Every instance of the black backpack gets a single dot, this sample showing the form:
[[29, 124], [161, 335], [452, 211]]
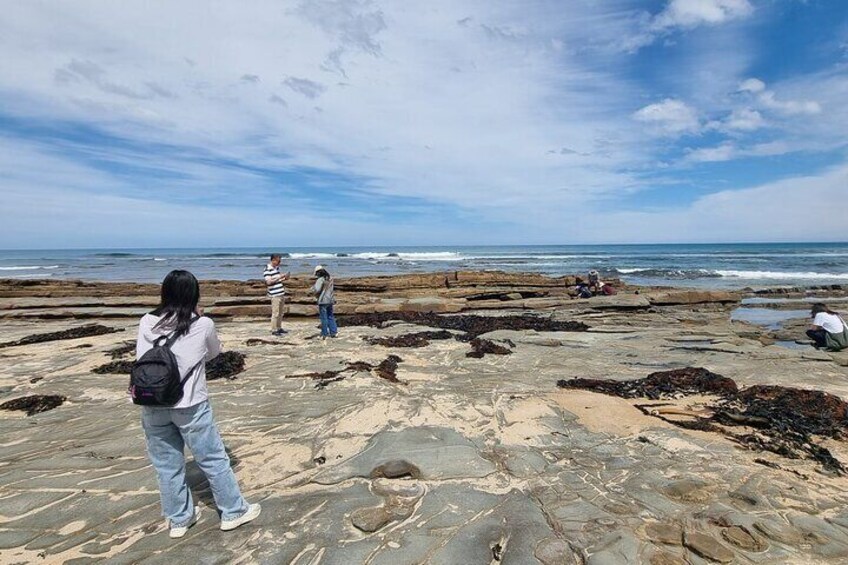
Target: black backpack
[[155, 378]]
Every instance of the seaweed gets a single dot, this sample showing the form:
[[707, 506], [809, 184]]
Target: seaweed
[[471, 324], [257, 341], [419, 339], [120, 367], [73, 333], [225, 366], [34, 404], [481, 347], [781, 420], [386, 369], [662, 384]]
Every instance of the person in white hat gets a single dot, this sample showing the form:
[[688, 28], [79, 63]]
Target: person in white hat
[[325, 289]]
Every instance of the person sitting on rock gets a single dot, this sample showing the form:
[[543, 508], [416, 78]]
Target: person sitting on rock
[[828, 330], [325, 289], [595, 283], [582, 288]]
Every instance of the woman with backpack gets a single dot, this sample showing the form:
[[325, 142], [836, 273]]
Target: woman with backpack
[[325, 289], [828, 330], [174, 342]]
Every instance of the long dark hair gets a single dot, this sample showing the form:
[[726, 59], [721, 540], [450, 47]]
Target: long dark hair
[[322, 273], [821, 307], [178, 303]]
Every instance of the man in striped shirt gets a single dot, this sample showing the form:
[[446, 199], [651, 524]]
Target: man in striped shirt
[[274, 281]]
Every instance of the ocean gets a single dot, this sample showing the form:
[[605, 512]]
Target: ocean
[[697, 265]]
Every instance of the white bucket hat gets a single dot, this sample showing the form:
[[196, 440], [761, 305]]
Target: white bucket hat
[[318, 268]]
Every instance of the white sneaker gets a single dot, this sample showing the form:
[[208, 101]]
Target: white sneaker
[[178, 532], [252, 512]]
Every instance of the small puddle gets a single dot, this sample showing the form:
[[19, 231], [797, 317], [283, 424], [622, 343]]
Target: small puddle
[[692, 342], [771, 319], [805, 300], [789, 344]]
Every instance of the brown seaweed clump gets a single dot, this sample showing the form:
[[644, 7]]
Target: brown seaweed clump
[[481, 347], [386, 369], [419, 339], [783, 420], [120, 367], [225, 366], [73, 333], [662, 384], [34, 404], [471, 324]]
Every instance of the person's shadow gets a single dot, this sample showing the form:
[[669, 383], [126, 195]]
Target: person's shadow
[[198, 483]]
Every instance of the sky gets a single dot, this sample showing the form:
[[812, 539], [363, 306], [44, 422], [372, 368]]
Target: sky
[[455, 122]]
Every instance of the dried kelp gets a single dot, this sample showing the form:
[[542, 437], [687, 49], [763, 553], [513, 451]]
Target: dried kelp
[[782, 420], [471, 324], [481, 347], [34, 404], [225, 366], [659, 385], [419, 339], [120, 367], [386, 369], [73, 333]]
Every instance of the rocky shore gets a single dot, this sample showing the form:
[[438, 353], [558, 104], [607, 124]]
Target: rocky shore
[[462, 417]]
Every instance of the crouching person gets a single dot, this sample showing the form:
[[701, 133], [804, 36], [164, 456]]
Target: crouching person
[[828, 330]]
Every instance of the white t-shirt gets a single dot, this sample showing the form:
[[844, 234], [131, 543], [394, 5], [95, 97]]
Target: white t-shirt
[[829, 322], [201, 342]]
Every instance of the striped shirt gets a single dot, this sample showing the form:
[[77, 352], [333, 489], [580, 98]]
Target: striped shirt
[[275, 289]]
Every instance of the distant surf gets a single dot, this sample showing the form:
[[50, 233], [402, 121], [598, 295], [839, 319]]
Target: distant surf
[[703, 265]]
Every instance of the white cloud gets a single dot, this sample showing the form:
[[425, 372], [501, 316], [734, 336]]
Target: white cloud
[[692, 13], [768, 99], [418, 106], [744, 119], [753, 85], [806, 208], [723, 152], [791, 107], [728, 151], [669, 117]]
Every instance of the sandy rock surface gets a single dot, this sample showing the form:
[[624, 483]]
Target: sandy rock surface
[[462, 460]]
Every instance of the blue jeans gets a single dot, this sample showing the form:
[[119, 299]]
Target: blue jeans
[[167, 431], [328, 320]]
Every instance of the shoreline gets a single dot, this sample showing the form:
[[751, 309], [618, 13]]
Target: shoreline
[[706, 266]]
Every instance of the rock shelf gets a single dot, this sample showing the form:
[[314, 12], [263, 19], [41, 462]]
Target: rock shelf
[[439, 458]]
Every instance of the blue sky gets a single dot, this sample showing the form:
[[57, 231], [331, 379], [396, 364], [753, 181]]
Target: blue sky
[[352, 122]]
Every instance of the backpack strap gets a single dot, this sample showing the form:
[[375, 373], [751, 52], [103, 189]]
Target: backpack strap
[[190, 371]]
